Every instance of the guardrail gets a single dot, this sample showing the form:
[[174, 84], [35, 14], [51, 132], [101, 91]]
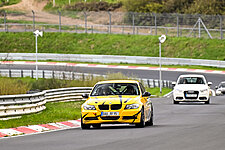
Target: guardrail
[[112, 59], [14, 105]]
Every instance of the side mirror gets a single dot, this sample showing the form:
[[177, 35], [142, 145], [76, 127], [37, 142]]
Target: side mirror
[[85, 95], [146, 94], [173, 83], [209, 83], [216, 87]]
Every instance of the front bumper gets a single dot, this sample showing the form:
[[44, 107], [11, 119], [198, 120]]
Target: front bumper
[[180, 97], [125, 116]]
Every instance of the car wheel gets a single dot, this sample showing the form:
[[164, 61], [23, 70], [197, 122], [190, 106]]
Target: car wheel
[[207, 102], [142, 120], [150, 122], [84, 126], [96, 126], [175, 102]]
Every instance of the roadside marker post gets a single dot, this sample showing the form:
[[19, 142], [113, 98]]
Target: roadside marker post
[[36, 34], [162, 39]]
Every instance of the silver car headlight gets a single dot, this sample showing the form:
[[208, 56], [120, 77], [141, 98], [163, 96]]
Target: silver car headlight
[[89, 107], [132, 106], [204, 90]]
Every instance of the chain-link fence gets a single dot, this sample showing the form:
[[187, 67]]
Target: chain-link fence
[[179, 25]]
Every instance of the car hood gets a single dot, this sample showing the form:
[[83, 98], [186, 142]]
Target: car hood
[[195, 87], [114, 99]]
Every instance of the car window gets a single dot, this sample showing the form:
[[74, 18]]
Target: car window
[[191, 80], [115, 89], [222, 85]]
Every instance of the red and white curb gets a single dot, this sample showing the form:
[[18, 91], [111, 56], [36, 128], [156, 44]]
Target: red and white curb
[[111, 66], [35, 129]]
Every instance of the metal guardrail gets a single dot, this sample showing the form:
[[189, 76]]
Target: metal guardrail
[[14, 105], [112, 59]]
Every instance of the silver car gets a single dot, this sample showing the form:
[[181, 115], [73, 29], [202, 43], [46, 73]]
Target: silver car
[[220, 90]]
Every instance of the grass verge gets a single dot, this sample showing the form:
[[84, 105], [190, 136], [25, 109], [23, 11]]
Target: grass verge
[[108, 44]]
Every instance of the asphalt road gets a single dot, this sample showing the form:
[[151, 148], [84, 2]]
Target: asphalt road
[[176, 127], [166, 75]]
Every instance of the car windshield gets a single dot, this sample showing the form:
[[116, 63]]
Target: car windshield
[[115, 89], [191, 80], [222, 85]]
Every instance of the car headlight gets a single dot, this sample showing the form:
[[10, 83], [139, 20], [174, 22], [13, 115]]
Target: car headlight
[[132, 106], [204, 90], [177, 90], [89, 107]]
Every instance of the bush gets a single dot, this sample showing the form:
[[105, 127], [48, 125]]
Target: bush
[[94, 6]]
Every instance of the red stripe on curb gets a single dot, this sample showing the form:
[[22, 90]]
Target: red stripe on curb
[[132, 67], [51, 127], [223, 72], [172, 68], [71, 64], [24, 130], [7, 62], [92, 65], [51, 63], [191, 69], [78, 120], [2, 134], [68, 124], [209, 70], [112, 66]]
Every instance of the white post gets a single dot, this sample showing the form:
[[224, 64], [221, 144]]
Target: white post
[[69, 2], [53, 3], [160, 66], [162, 39], [36, 57]]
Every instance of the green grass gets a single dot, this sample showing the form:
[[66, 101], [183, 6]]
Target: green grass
[[11, 2], [107, 44], [55, 112], [156, 91]]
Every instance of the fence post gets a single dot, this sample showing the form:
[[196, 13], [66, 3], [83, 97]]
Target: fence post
[[221, 27], [110, 22], [21, 73], [33, 20], [6, 29], [148, 83], [59, 21], [155, 23], [133, 22], [85, 19], [154, 83], [10, 73], [178, 25], [43, 74], [32, 74], [53, 74]]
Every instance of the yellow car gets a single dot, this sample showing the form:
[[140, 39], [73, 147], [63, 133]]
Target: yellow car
[[117, 101]]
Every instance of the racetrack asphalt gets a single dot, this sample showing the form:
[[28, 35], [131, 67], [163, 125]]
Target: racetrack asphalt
[[176, 127]]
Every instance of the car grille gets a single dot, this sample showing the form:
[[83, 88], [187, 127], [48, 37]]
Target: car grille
[[113, 107], [103, 107], [110, 118], [116, 106], [191, 92], [129, 117]]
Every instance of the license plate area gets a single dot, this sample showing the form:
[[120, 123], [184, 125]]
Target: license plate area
[[109, 113], [191, 95]]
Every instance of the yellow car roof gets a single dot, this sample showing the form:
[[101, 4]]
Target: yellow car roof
[[118, 81]]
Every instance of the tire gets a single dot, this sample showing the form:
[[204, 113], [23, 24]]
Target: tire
[[150, 122], [175, 102], [97, 126], [142, 120], [208, 102], [84, 126]]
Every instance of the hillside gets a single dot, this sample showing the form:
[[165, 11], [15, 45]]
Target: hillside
[[106, 44]]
